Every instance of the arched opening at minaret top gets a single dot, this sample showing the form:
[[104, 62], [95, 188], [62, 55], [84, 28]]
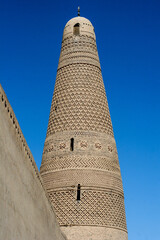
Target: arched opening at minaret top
[[76, 29]]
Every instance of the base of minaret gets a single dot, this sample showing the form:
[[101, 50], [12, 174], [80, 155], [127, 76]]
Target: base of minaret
[[93, 233]]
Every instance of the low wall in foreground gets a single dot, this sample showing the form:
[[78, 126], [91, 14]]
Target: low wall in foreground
[[25, 209]]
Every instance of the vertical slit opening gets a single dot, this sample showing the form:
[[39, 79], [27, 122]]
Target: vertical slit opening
[[72, 144], [78, 192]]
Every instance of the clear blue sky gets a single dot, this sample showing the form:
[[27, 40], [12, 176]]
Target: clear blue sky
[[128, 40]]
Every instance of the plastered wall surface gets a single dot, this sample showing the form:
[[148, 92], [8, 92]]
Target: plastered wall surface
[[25, 210]]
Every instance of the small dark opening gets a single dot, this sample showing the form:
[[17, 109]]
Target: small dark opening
[[76, 25], [72, 144], [78, 192], [76, 29]]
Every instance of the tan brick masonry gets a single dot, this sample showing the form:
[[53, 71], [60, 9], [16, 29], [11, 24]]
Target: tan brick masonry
[[80, 166]]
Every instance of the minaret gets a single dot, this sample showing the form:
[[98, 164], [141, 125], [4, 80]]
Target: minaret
[[80, 166]]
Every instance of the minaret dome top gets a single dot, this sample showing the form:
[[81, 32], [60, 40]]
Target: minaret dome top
[[78, 26]]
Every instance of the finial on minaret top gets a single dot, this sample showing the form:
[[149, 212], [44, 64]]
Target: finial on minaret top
[[78, 11]]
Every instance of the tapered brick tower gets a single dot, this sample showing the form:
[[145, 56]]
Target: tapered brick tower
[[80, 166]]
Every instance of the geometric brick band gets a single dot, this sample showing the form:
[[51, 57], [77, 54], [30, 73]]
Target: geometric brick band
[[68, 162], [85, 177], [79, 101], [99, 208], [84, 44], [84, 50]]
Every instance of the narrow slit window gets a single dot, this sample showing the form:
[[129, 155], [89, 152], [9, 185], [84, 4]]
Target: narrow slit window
[[78, 192], [76, 29], [72, 144]]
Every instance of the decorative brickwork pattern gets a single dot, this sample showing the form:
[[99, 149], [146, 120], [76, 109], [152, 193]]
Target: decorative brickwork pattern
[[90, 141], [80, 100], [99, 208], [80, 149], [81, 50], [84, 44], [85, 177], [71, 162]]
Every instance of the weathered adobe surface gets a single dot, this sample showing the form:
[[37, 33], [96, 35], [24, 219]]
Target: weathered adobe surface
[[26, 211]]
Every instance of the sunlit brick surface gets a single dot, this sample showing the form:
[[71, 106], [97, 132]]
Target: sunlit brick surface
[[80, 112]]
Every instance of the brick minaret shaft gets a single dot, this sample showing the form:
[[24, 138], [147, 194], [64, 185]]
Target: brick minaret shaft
[[80, 166]]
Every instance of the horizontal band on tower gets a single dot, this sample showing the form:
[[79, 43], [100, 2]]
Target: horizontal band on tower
[[86, 177], [95, 208], [79, 59]]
